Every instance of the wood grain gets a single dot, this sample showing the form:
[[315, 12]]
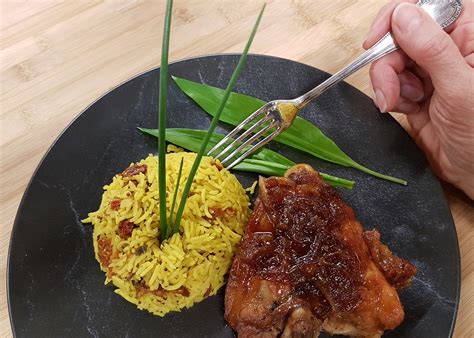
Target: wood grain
[[58, 56]]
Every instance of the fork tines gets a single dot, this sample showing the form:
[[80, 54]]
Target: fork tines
[[250, 135]]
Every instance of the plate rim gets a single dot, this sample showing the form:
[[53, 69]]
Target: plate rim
[[137, 75]]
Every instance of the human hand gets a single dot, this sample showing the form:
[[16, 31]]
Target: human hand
[[432, 81]]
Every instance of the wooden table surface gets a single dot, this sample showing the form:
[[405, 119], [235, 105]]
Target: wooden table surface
[[57, 56]]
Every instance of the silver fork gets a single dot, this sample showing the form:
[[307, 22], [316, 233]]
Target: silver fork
[[273, 118]]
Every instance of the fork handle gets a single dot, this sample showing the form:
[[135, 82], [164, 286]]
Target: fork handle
[[383, 47]]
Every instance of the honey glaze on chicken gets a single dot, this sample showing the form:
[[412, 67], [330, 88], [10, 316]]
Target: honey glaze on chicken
[[305, 264]]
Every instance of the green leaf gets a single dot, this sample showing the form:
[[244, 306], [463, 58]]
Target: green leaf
[[302, 135], [163, 87], [220, 108], [337, 181], [261, 167], [237, 108], [266, 161]]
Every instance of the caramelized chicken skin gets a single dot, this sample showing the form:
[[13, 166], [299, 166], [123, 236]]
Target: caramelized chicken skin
[[305, 265]]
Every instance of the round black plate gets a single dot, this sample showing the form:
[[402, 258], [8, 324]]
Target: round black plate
[[55, 287]]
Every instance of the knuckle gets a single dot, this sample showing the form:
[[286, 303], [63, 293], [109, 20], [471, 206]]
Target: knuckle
[[470, 60], [391, 80], [372, 71], [454, 98], [435, 47], [467, 45]]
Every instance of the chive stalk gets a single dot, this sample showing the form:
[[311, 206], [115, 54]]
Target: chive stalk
[[173, 203], [163, 87], [213, 125]]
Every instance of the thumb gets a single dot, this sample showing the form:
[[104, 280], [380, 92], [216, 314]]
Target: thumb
[[425, 42]]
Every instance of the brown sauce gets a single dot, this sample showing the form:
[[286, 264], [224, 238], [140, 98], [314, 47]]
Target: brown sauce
[[301, 243]]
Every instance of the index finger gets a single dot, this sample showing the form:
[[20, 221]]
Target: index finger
[[381, 24]]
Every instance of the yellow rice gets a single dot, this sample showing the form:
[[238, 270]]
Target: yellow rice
[[151, 274]]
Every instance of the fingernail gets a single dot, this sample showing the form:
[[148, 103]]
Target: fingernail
[[408, 107], [372, 96], [407, 17], [366, 38], [380, 100], [412, 93]]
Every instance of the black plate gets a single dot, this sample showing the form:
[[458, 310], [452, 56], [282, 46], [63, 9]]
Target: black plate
[[55, 287]]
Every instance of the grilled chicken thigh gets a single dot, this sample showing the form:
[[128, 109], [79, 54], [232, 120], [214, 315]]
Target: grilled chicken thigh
[[305, 264]]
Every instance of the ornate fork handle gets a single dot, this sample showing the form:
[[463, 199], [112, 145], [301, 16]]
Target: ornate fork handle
[[444, 12], [383, 47]]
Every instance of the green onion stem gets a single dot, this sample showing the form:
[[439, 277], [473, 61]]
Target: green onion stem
[[213, 125], [163, 87], [178, 180]]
